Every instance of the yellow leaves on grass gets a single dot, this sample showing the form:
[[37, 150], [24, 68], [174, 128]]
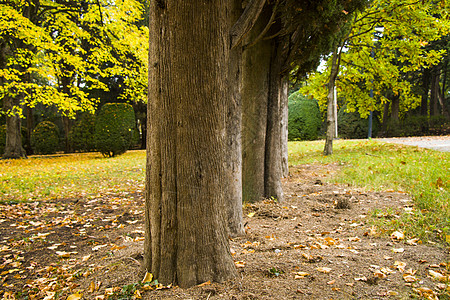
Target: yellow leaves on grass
[[76, 296]]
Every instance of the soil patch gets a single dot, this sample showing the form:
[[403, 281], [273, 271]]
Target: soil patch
[[319, 243]]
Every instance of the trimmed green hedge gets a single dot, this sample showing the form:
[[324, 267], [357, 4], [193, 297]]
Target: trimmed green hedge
[[114, 129], [304, 121], [45, 138], [81, 137]]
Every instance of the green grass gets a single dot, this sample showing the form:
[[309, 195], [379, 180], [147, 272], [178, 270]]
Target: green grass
[[372, 165], [72, 175], [422, 173]]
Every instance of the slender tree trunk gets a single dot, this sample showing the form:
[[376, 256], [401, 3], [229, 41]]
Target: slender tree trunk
[[234, 140], [395, 108], [186, 231], [284, 129], [30, 127], [255, 95], [434, 91], [385, 117], [425, 90], [331, 120]]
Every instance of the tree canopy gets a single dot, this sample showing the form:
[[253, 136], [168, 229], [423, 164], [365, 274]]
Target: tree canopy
[[385, 45]]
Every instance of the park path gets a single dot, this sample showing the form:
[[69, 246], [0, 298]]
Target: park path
[[439, 143]]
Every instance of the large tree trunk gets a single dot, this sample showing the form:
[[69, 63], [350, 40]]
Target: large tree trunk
[[277, 91], [234, 123], [331, 120], [255, 95], [13, 146], [186, 231], [264, 92]]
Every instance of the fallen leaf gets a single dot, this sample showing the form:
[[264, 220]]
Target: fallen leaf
[[363, 278], [239, 264], [409, 278], [324, 269], [148, 277], [250, 215], [398, 250], [86, 257], [400, 266], [300, 275], [438, 276], [391, 293], [76, 296], [412, 242], [354, 239], [96, 248], [379, 274], [331, 282], [397, 235], [205, 283]]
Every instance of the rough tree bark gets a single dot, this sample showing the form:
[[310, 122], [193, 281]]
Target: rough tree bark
[[284, 129], [264, 93], [273, 155], [234, 140], [255, 95], [186, 241]]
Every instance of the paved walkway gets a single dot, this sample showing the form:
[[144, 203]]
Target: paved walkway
[[439, 143]]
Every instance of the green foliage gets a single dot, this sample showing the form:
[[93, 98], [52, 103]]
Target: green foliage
[[404, 29], [304, 118], [352, 126], [45, 138], [412, 125], [114, 129], [81, 137]]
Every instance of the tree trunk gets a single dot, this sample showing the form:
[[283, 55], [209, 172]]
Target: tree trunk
[[434, 91], [277, 86], [395, 108], [30, 127], [186, 231], [234, 123], [385, 118], [425, 90], [13, 146], [255, 94], [331, 120], [284, 129]]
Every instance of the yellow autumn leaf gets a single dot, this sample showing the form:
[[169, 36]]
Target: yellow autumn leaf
[[397, 235], [250, 215], [438, 276], [76, 296], [148, 277]]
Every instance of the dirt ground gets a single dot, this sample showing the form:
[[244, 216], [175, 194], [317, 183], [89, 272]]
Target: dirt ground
[[318, 244]]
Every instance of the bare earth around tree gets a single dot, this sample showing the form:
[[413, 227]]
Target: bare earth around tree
[[319, 243]]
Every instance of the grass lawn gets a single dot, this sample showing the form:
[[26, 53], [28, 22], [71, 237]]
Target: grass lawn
[[422, 173], [73, 175]]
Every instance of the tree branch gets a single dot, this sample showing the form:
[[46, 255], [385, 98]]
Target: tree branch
[[246, 21]]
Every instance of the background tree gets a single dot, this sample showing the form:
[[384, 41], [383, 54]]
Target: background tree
[[404, 28]]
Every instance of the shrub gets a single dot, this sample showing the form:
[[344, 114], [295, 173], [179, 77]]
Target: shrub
[[114, 129], [81, 137], [304, 118], [352, 126], [45, 138]]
